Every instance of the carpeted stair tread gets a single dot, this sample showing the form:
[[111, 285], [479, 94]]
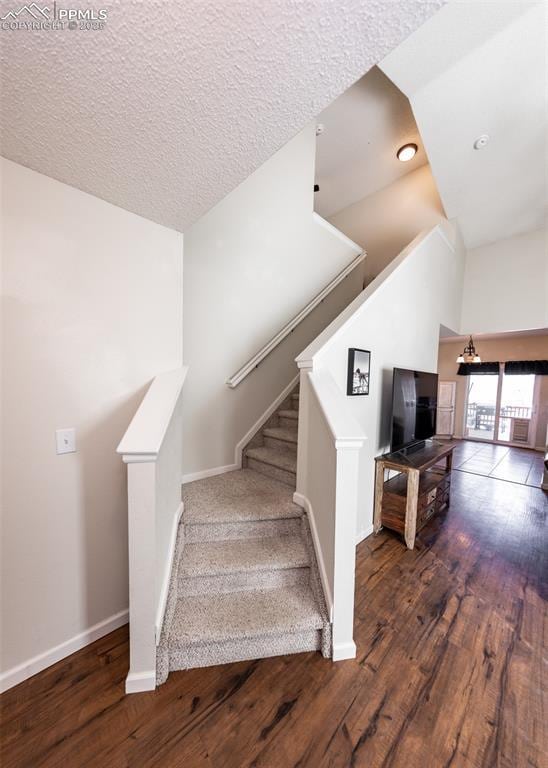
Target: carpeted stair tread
[[251, 555], [277, 457], [289, 414], [281, 433], [239, 496], [205, 619]]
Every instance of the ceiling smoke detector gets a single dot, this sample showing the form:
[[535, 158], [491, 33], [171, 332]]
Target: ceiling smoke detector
[[482, 141], [407, 152], [320, 128]]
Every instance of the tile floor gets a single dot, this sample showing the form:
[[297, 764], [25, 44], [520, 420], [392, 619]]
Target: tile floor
[[515, 465]]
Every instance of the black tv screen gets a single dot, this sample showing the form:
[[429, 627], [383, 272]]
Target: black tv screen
[[414, 403]]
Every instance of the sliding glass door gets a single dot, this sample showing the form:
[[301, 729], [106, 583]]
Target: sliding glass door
[[501, 408], [516, 411], [481, 411]]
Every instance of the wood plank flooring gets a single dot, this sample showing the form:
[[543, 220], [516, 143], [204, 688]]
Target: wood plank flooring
[[450, 670]]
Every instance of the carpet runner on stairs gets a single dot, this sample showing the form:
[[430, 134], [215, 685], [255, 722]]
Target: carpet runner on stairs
[[245, 584]]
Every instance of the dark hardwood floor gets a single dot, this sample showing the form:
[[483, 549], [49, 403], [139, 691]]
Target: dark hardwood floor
[[449, 671]]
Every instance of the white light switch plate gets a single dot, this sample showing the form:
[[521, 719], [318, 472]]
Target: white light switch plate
[[65, 440]]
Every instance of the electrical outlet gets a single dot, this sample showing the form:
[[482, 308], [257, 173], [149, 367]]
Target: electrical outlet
[[65, 440]]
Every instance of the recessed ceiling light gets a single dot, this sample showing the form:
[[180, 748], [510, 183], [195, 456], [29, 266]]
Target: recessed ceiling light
[[407, 152]]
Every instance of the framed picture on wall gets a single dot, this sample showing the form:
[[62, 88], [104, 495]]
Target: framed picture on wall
[[359, 364]]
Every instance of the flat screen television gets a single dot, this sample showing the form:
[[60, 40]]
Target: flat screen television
[[414, 404]]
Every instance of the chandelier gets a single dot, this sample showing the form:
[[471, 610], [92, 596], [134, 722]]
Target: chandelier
[[469, 354]]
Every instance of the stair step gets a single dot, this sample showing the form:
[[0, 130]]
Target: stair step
[[239, 616], [218, 567], [284, 434], [289, 414], [242, 496], [276, 457], [295, 400], [279, 463], [241, 581], [226, 557], [229, 651], [281, 437]]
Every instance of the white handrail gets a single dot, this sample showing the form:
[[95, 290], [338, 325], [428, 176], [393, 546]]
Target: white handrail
[[236, 378], [146, 432]]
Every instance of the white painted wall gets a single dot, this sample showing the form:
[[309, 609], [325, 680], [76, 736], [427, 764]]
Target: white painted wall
[[398, 319], [481, 68], [251, 264], [507, 285], [385, 222], [92, 307]]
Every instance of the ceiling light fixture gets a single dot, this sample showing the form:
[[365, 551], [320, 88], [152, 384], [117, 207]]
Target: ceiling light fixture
[[481, 142], [407, 152], [469, 354]]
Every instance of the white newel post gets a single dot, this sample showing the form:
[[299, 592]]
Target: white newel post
[[141, 536], [346, 515], [152, 449]]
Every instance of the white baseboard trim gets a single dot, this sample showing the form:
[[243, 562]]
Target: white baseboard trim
[[272, 408], [209, 473], [161, 609], [27, 669], [342, 651], [137, 682], [305, 504], [363, 534]]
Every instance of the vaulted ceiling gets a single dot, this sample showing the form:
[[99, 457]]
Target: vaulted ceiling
[[362, 131], [480, 68], [172, 104]]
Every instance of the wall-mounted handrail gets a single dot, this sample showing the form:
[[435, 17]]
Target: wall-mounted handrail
[[254, 362]]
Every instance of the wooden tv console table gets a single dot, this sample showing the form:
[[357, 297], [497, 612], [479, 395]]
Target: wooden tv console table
[[407, 501]]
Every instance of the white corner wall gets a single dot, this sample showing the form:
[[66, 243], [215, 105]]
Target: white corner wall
[[386, 221], [397, 318], [92, 308], [251, 264], [507, 285]]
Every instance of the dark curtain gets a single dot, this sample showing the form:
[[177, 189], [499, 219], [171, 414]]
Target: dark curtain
[[538, 367], [487, 369]]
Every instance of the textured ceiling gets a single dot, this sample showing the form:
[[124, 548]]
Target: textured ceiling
[[481, 68], [173, 104], [356, 153]]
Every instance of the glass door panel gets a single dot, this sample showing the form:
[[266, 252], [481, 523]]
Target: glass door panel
[[482, 407], [516, 409]]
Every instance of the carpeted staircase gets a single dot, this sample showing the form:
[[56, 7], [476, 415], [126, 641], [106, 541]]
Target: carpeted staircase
[[273, 451], [245, 584]]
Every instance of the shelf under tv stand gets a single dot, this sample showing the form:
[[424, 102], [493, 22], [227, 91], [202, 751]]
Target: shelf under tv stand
[[406, 502]]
